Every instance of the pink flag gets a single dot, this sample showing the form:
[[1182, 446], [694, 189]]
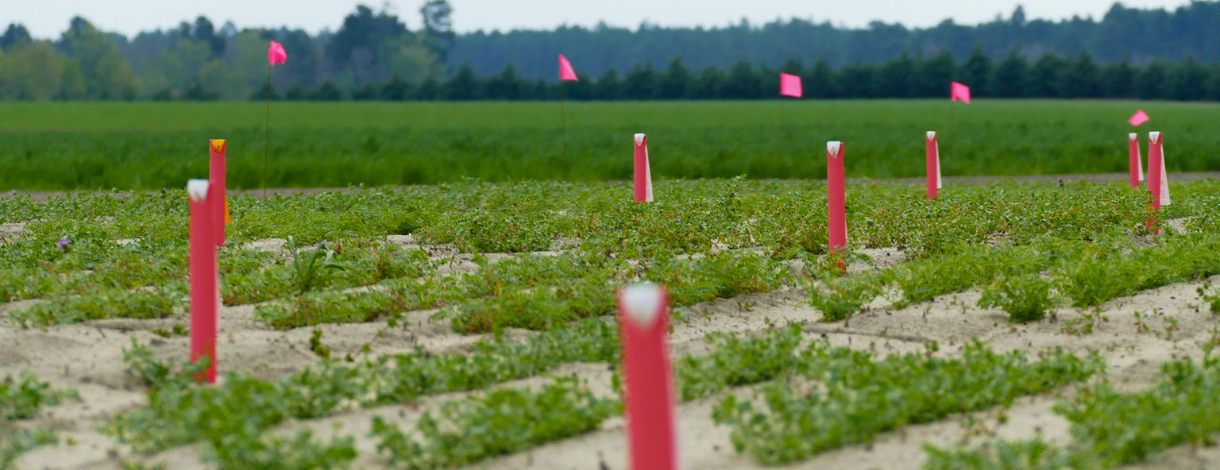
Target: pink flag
[[565, 70], [960, 92], [790, 85], [648, 384], [276, 54], [1139, 118]]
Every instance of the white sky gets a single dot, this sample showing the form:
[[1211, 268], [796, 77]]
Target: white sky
[[48, 18]]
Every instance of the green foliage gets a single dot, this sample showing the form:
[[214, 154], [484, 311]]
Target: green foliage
[[859, 398], [431, 143], [22, 398], [298, 451], [1212, 301], [1026, 297], [315, 344], [1110, 428], [309, 269], [735, 361], [501, 422], [1120, 428], [1034, 454], [14, 442], [109, 303], [180, 411], [838, 297]]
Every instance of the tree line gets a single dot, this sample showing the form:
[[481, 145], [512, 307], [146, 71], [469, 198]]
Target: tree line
[[905, 76], [374, 55], [1138, 35], [200, 61]]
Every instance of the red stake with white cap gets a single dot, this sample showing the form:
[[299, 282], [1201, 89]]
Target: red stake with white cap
[[1158, 178], [1136, 161], [643, 174], [836, 196], [205, 303], [933, 166], [647, 377]]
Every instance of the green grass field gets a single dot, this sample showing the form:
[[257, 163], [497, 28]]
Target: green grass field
[[47, 146]]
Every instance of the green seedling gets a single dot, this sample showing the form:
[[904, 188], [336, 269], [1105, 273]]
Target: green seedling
[[1026, 298], [310, 268], [839, 297]]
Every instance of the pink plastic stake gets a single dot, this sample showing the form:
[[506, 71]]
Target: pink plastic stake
[[204, 301], [648, 381], [643, 174], [216, 178], [1135, 160], [933, 165], [1156, 175], [837, 197]]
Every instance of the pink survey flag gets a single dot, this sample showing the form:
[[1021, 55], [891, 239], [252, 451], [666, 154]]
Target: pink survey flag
[[959, 92], [566, 73], [1139, 118], [790, 85], [276, 54]]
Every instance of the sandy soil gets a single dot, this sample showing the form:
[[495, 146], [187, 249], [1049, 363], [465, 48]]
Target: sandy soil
[[88, 357]]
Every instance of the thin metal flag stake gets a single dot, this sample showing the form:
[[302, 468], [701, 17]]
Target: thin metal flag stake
[[267, 137]]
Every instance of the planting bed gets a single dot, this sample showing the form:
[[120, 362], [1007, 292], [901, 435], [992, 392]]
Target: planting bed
[[471, 326]]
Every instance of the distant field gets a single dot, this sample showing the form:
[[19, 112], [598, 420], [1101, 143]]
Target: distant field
[[153, 145]]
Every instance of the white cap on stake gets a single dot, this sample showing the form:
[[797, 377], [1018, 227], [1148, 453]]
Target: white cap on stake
[[642, 302], [197, 190]]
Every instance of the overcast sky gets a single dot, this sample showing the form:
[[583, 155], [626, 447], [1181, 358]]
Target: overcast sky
[[48, 18]]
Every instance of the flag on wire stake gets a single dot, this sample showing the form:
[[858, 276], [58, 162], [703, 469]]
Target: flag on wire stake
[[790, 85], [566, 74], [1139, 118], [959, 92], [275, 55]]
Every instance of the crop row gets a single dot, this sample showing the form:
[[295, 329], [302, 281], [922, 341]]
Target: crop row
[[233, 417], [688, 217], [534, 292], [1110, 428]]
